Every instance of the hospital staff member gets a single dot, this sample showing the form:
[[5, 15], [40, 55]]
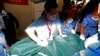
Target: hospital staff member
[[90, 23], [46, 26]]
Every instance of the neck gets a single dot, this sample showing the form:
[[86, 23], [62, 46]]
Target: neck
[[66, 20], [95, 16]]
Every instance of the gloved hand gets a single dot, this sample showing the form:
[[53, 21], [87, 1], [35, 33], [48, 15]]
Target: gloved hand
[[73, 31], [82, 37], [51, 38], [62, 35], [99, 29], [43, 43]]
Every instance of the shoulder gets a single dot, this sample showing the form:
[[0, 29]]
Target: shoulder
[[88, 15], [38, 22]]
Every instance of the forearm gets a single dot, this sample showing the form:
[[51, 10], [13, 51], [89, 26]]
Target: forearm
[[32, 36], [82, 29], [82, 37], [59, 30]]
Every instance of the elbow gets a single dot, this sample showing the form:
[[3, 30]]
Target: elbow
[[28, 30]]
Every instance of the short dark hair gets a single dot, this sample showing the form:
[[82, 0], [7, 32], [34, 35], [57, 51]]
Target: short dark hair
[[49, 5], [89, 8], [67, 7]]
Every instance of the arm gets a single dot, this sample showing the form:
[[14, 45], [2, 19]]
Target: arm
[[33, 31], [14, 19], [31, 34], [84, 24], [82, 28], [59, 26]]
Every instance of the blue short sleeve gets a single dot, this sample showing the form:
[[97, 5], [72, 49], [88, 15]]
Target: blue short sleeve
[[86, 20]]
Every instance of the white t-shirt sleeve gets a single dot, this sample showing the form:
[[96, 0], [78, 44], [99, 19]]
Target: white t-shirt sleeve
[[30, 30]]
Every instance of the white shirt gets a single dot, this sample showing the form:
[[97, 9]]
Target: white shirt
[[41, 28], [91, 40]]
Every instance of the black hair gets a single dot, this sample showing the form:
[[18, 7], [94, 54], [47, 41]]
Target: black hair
[[1, 6], [49, 5], [0, 9], [89, 8], [64, 9], [93, 4]]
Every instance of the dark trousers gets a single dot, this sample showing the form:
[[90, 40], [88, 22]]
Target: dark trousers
[[10, 36]]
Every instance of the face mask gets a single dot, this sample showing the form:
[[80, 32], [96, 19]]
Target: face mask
[[70, 20], [51, 17]]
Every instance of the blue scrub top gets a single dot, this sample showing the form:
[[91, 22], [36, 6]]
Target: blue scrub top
[[66, 28], [91, 25]]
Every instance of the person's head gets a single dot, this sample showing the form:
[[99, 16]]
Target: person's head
[[91, 7], [95, 11], [88, 8], [50, 9], [72, 11], [69, 10]]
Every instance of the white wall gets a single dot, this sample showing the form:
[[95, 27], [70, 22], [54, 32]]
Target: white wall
[[23, 13], [26, 13]]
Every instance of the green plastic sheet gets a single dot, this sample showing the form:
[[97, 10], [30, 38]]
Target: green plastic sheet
[[57, 47]]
